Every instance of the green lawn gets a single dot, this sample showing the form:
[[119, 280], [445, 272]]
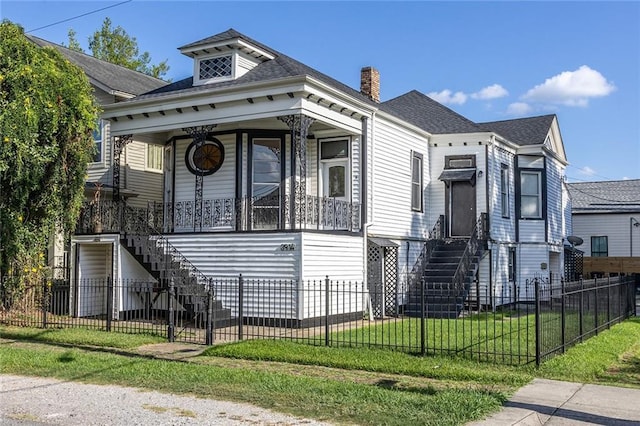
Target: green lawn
[[339, 384]]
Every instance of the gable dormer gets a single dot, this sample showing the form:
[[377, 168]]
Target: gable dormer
[[225, 56]]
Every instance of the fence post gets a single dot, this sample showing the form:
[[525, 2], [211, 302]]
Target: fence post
[[581, 307], [209, 336], [171, 335], [45, 300], [327, 308], [109, 302], [563, 301], [423, 343], [240, 307], [537, 322], [595, 304], [609, 302]]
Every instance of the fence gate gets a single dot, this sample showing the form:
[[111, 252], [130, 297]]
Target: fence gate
[[382, 277]]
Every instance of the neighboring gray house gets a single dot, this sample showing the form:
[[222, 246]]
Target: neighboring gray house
[[274, 170], [606, 215], [141, 168]]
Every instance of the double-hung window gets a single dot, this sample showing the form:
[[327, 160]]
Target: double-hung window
[[504, 190], [154, 157], [416, 181], [531, 194], [599, 246], [98, 139]]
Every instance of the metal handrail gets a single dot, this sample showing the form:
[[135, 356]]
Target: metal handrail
[[478, 234]]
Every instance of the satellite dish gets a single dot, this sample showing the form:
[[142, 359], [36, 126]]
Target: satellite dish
[[575, 241]]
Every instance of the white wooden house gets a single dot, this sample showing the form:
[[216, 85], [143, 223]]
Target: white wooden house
[[606, 216], [274, 170]]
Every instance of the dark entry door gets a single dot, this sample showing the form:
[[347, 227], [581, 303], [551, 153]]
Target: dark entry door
[[462, 208]]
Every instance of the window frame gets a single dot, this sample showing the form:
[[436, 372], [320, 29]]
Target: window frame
[[147, 157], [420, 183], [98, 157], [538, 195], [600, 253], [505, 183], [196, 73], [511, 265]]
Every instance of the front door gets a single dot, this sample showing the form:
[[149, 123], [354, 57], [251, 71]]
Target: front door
[[462, 208]]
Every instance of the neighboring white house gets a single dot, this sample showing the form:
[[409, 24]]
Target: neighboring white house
[[141, 174], [606, 215], [274, 170]]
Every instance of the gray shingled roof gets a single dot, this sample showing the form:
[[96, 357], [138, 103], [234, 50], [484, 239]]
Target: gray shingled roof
[[522, 131], [427, 114], [114, 77], [280, 67], [607, 196]]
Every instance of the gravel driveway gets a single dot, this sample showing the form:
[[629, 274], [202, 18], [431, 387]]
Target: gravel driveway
[[39, 401]]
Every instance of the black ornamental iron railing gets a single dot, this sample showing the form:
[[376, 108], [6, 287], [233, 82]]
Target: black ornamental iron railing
[[332, 312], [224, 214], [478, 236]]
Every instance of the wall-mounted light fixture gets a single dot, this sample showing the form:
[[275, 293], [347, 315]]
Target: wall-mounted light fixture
[[480, 173], [632, 222]]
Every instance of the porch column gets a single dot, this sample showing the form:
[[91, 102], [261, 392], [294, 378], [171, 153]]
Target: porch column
[[119, 142], [199, 135], [299, 127]]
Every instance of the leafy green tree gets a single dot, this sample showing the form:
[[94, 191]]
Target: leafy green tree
[[73, 41], [47, 115], [116, 46]]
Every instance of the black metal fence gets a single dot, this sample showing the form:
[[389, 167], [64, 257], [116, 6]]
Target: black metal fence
[[535, 321]]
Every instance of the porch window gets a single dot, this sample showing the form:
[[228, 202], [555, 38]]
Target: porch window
[[97, 139], [155, 154], [416, 181], [504, 190], [531, 195], [599, 246], [266, 183]]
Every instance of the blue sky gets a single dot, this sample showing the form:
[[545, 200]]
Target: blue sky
[[486, 60]]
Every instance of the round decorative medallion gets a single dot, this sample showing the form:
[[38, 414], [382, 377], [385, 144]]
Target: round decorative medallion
[[205, 159]]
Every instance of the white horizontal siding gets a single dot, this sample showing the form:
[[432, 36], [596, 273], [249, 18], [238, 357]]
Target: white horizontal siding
[[391, 182], [135, 177], [502, 228], [532, 230], [437, 187], [617, 227], [341, 257], [530, 261], [252, 255], [555, 213]]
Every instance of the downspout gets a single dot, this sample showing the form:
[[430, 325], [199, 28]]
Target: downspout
[[365, 149]]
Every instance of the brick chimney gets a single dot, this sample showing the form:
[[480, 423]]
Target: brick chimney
[[370, 83]]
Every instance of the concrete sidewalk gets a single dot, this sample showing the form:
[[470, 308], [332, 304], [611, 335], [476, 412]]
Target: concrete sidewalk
[[552, 402]]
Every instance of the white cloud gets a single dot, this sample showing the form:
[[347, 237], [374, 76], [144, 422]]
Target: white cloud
[[587, 171], [491, 92], [571, 88], [448, 97], [519, 108]]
